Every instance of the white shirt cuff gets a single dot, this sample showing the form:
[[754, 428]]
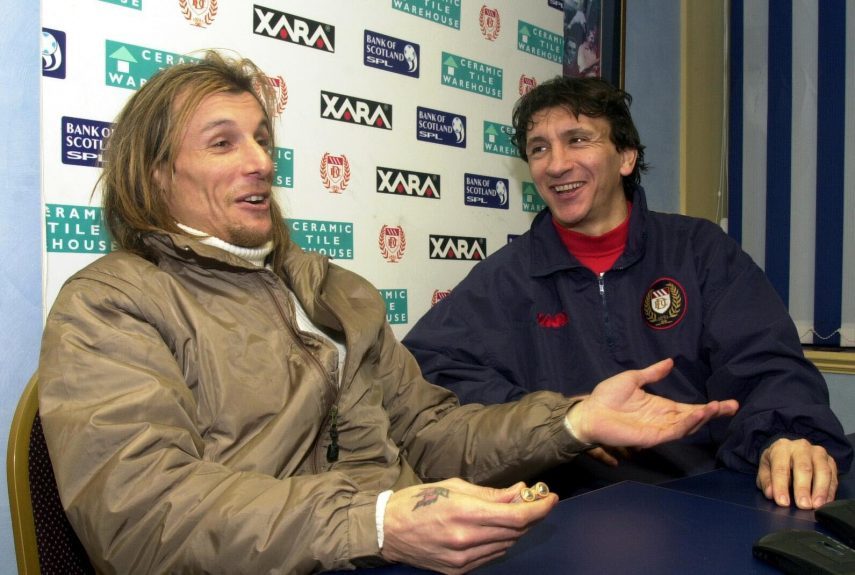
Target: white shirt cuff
[[380, 514]]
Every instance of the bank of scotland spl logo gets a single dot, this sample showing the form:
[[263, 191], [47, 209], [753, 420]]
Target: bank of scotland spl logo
[[490, 22], [335, 173], [393, 243], [200, 13], [664, 304]]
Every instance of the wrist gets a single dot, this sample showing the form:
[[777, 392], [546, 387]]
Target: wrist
[[571, 424]]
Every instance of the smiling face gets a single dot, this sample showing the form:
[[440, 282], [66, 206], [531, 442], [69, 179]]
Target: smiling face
[[221, 179], [577, 170]]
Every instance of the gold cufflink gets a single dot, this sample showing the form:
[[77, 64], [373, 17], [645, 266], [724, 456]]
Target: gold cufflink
[[538, 491], [527, 494]]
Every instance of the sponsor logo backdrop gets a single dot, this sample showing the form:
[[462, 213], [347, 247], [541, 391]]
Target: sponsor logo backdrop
[[393, 152]]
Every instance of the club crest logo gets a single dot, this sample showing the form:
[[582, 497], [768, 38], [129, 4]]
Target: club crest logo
[[664, 304], [527, 84], [438, 296], [200, 13], [335, 173], [491, 23], [280, 93], [393, 243]]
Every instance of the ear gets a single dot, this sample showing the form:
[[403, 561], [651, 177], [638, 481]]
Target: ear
[[158, 176], [628, 159]]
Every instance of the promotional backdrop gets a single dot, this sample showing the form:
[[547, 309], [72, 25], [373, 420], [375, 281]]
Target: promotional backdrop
[[393, 152]]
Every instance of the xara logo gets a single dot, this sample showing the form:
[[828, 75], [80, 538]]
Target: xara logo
[[457, 248], [356, 111], [294, 29], [404, 183]]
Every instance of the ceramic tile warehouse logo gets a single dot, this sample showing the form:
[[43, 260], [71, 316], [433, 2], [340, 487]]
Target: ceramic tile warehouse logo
[[53, 53], [407, 183], [539, 42], [396, 305], [283, 167], [391, 54], [135, 4], [332, 239], [471, 75], [293, 29], [445, 12], [440, 127], [355, 110], [532, 202], [76, 229], [497, 139], [129, 66], [457, 248], [485, 191]]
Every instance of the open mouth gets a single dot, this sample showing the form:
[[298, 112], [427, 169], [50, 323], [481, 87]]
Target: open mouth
[[255, 200], [567, 188]]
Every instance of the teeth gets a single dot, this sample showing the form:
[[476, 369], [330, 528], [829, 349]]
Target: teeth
[[255, 199], [567, 187]]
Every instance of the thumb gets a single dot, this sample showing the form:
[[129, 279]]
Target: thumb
[[655, 372]]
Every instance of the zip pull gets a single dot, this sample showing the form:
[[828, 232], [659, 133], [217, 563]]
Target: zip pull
[[332, 448]]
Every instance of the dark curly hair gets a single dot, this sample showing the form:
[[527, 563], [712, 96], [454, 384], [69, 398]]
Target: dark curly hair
[[592, 97]]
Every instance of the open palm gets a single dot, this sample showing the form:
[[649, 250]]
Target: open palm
[[620, 413]]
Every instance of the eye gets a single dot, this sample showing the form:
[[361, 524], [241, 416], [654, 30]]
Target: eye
[[220, 144], [535, 150]]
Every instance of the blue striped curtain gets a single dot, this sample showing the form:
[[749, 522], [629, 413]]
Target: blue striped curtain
[[791, 174]]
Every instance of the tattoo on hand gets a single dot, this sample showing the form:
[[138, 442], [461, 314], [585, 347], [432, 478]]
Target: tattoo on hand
[[430, 496]]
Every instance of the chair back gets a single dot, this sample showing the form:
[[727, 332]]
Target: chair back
[[44, 540]]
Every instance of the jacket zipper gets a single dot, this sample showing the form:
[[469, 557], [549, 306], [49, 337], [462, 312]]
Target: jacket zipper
[[601, 284], [331, 417]]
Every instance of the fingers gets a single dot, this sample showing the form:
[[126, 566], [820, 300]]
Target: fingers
[[602, 456], [802, 466]]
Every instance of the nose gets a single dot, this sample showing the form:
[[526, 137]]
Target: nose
[[560, 161], [258, 160]]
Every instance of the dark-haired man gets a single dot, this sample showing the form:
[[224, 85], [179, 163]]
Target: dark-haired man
[[600, 284]]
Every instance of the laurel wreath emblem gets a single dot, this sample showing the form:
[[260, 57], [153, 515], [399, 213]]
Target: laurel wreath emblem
[[326, 179], [674, 310], [201, 22], [392, 256], [482, 21]]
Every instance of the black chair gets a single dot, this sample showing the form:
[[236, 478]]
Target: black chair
[[44, 540]]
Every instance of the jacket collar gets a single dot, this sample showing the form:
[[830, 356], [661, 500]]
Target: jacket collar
[[549, 255]]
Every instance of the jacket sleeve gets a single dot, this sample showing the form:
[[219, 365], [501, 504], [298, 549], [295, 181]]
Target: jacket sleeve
[[755, 356], [448, 343], [128, 453], [493, 445]]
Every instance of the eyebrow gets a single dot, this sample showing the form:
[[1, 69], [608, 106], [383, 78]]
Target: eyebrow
[[229, 122]]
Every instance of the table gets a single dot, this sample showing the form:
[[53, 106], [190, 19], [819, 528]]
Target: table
[[700, 525]]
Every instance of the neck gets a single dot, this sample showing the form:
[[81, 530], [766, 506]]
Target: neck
[[255, 256]]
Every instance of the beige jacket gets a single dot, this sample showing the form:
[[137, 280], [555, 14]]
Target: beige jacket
[[188, 419]]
